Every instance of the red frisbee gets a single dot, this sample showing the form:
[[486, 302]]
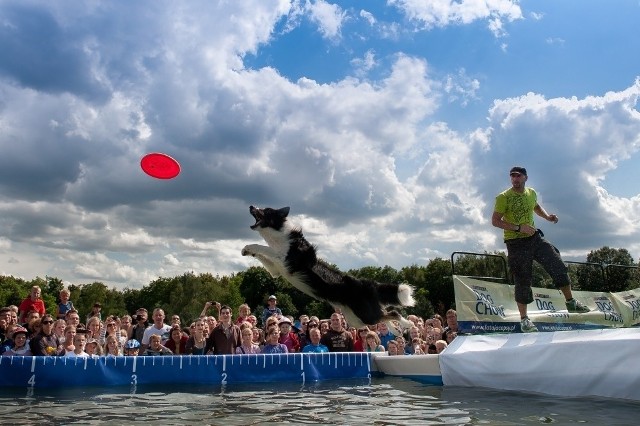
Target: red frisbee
[[160, 166]]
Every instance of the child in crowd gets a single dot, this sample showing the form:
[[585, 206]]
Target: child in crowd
[[20, 343], [132, 347], [79, 344], [392, 348], [92, 348], [244, 311], [314, 345], [67, 341], [258, 337], [287, 337], [441, 345], [112, 346], [155, 347], [272, 346], [95, 312], [64, 305], [417, 346], [247, 346]]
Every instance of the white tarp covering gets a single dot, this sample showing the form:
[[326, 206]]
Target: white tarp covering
[[568, 363]]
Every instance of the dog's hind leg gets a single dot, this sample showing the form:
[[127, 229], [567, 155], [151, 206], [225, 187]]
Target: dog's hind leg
[[396, 322]]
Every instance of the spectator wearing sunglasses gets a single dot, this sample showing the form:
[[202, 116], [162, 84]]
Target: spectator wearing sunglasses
[[361, 339], [303, 332], [46, 342]]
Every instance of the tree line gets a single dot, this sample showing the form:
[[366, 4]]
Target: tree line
[[606, 269]]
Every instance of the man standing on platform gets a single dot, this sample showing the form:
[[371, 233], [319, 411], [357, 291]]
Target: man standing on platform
[[513, 212]]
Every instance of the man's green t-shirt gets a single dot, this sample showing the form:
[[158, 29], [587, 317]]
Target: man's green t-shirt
[[516, 208]]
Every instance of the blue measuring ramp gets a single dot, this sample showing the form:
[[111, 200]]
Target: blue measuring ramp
[[19, 371]]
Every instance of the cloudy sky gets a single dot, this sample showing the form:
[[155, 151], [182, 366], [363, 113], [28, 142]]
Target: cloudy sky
[[388, 127]]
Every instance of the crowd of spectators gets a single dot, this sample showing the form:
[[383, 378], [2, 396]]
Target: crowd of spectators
[[29, 330]]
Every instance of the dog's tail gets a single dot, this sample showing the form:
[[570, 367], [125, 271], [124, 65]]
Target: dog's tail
[[405, 295], [396, 294]]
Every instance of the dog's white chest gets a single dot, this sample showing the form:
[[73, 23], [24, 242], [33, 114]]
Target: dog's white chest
[[277, 240]]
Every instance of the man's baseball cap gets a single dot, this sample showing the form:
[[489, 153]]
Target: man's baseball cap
[[518, 169]]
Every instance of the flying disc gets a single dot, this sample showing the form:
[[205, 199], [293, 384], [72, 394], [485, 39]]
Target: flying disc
[[160, 166]]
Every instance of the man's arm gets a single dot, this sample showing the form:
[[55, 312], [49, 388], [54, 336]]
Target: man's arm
[[208, 305], [543, 214], [205, 310], [497, 220]]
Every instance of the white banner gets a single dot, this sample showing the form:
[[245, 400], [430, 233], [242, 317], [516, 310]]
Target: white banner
[[487, 307]]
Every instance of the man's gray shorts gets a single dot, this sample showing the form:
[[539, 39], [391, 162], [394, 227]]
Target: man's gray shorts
[[521, 252]]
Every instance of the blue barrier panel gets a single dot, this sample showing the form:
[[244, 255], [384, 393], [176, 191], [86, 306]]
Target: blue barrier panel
[[59, 372]]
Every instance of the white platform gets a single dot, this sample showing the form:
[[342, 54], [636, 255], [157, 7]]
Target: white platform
[[567, 363], [602, 363]]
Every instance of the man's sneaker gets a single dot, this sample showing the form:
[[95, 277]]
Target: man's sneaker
[[526, 326], [574, 305]]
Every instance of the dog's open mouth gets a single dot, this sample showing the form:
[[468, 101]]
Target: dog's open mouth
[[258, 214]]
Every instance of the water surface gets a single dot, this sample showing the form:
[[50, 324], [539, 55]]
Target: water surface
[[381, 401]]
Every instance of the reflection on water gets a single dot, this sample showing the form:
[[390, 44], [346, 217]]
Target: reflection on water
[[385, 401]]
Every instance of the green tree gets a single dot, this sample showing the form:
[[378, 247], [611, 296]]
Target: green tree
[[53, 286], [376, 273], [439, 284], [188, 295], [90, 294], [225, 290], [619, 271], [417, 276], [132, 300], [114, 303], [12, 290], [286, 305], [488, 266], [424, 308], [157, 294], [319, 309], [256, 285]]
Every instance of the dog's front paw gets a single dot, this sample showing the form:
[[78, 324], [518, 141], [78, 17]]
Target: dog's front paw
[[246, 251]]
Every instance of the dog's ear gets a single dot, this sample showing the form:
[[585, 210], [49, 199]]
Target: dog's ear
[[283, 212]]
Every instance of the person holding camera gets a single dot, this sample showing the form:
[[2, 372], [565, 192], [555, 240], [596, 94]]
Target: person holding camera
[[137, 330], [207, 306]]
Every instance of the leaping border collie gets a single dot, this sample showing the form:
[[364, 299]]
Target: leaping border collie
[[291, 256]]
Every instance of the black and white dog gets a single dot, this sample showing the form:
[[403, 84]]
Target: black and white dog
[[291, 256]]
